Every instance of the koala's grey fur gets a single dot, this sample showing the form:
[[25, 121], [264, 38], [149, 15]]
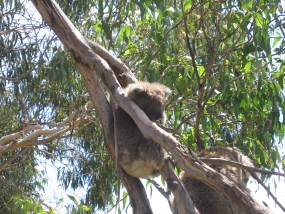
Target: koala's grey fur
[[206, 199], [137, 155]]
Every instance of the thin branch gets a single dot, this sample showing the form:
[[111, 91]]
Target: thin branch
[[221, 161], [161, 190], [108, 211], [199, 142], [181, 202], [37, 131], [267, 189], [28, 141], [156, 52], [192, 54], [13, 158], [241, 76]]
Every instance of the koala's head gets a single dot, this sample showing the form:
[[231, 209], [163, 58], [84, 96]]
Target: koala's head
[[150, 97]]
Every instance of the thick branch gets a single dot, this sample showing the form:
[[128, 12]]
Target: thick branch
[[122, 72], [10, 137], [182, 202], [30, 139], [30, 134]]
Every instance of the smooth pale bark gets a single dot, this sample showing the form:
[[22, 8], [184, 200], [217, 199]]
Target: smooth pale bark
[[85, 57], [181, 197]]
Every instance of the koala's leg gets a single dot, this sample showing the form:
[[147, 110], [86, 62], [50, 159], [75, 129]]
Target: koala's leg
[[156, 155]]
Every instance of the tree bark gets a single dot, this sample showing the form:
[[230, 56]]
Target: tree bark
[[182, 202]]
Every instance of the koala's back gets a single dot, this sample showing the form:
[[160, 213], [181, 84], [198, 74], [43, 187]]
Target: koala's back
[[206, 199], [237, 175], [139, 156]]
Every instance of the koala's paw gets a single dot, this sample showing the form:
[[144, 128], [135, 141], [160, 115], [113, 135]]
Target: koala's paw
[[168, 157]]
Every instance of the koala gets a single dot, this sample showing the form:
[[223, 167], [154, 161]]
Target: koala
[[206, 199], [137, 155]]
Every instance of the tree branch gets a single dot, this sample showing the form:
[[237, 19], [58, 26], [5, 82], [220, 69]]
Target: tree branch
[[13, 158], [182, 202], [221, 161], [267, 189], [32, 132], [122, 72]]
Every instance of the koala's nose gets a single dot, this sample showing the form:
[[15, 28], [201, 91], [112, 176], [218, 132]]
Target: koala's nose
[[158, 115]]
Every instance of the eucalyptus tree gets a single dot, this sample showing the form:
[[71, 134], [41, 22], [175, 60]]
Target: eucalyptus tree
[[223, 61]]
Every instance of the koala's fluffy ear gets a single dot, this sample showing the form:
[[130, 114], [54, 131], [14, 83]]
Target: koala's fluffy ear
[[133, 90], [167, 92]]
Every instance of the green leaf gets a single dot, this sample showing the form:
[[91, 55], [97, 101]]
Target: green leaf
[[201, 71], [247, 67], [276, 40], [247, 5], [72, 198], [84, 208], [187, 5], [125, 34], [258, 19]]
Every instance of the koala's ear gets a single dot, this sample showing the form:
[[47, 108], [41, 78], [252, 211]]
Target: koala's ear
[[134, 90], [167, 92]]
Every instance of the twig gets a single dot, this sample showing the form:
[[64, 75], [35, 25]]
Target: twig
[[115, 205], [239, 165], [156, 52], [268, 191], [160, 189], [13, 158]]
